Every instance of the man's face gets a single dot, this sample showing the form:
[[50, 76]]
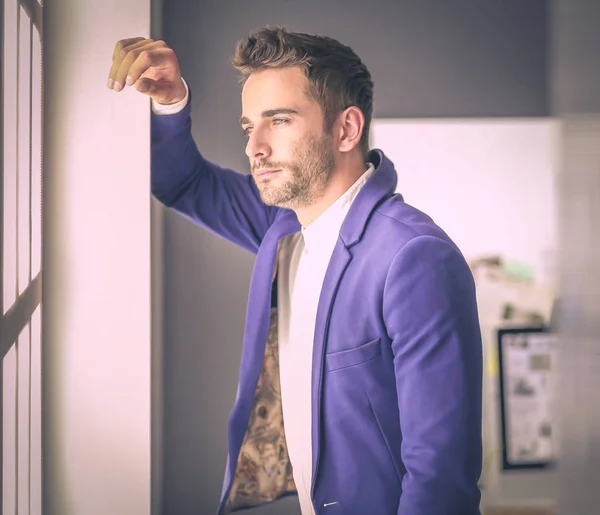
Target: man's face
[[291, 157]]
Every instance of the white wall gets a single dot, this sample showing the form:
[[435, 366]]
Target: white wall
[[489, 183], [97, 267]]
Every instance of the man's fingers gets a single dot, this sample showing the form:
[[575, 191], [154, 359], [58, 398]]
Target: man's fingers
[[144, 56], [150, 66], [153, 57], [122, 50], [125, 43]]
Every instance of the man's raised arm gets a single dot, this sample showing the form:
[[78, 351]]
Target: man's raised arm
[[221, 200]]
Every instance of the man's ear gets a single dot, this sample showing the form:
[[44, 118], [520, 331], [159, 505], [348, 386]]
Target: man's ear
[[351, 123]]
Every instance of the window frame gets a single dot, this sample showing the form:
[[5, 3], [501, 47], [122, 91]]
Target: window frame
[[20, 314]]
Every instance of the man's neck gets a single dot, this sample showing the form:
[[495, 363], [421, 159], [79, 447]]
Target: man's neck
[[339, 183]]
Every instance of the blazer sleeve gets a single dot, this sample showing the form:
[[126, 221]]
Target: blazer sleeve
[[221, 200], [430, 314]]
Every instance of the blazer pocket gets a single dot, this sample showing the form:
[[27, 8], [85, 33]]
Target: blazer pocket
[[348, 358]]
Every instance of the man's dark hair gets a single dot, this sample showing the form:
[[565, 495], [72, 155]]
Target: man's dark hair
[[337, 77]]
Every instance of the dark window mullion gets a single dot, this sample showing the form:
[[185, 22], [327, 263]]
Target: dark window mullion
[[2, 60], [31, 222], [19, 315], [29, 422], [1, 431], [34, 11], [17, 162], [30, 146]]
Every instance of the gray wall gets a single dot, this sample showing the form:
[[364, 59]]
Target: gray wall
[[157, 222], [427, 58], [576, 100], [574, 51]]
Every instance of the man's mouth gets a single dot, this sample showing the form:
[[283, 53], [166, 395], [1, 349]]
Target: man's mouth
[[264, 173]]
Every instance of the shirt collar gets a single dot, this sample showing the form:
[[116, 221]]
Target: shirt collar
[[322, 233]]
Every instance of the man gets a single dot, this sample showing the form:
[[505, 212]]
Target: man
[[360, 379]]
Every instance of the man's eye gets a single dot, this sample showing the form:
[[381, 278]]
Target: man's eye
[[280, 121], [247, 130]]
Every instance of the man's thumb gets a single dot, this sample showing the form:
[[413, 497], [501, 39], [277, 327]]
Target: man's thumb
[[158, 91]]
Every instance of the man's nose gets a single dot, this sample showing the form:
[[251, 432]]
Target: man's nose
[[257, 147]]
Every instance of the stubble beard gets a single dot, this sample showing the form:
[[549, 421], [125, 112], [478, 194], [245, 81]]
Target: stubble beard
[[308, 174]]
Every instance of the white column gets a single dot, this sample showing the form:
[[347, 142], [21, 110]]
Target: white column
[[96, 265]]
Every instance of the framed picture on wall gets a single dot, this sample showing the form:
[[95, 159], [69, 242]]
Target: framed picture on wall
[[527, 364]]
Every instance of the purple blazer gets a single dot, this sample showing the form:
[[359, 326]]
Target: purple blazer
[[397, 364]]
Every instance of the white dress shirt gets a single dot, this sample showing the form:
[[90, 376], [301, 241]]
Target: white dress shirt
[[172, 108], [303, 261]]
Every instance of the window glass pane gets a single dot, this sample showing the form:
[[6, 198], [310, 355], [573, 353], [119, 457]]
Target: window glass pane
[[24, 144], [9, 61], [36, 155], [23, 410], [9, 431], [36, 413]]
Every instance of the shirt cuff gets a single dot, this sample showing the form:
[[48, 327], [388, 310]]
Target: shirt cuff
[[163, 109]]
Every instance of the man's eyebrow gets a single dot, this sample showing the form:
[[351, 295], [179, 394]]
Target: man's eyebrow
[[269, 114]]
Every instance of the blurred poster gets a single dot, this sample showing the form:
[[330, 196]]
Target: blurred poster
[[527, 364]]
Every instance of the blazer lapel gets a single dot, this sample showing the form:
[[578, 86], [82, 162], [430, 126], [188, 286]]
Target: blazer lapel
[[339, 262]]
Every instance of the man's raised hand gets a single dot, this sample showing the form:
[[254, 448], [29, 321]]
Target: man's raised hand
[[149, 66]]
